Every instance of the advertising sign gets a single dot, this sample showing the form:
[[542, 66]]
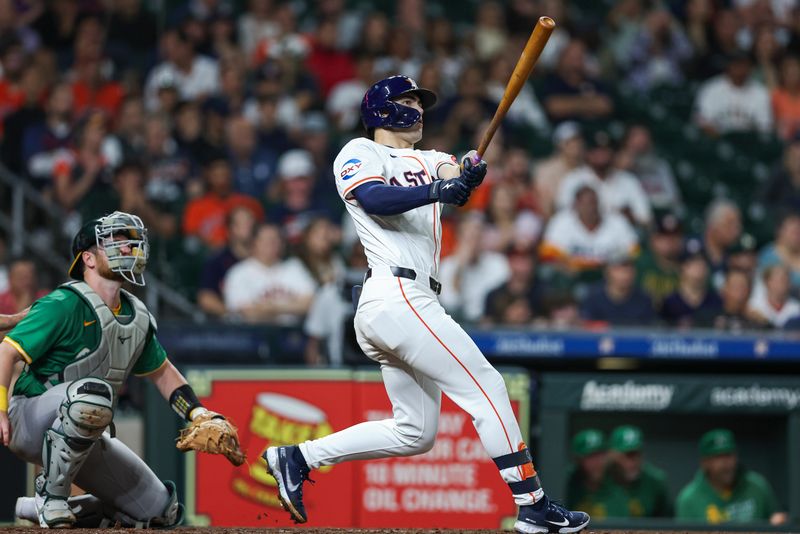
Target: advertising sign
[[455, 485]]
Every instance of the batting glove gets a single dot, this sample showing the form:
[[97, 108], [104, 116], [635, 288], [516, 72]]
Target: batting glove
[[472, 174], [452, 191]]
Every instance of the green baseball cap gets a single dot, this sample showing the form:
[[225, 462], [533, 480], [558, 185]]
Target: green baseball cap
[[626, 438], [588, 442], [717, 441]]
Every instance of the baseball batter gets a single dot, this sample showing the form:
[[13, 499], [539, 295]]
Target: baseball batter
[[79, 344], [395, 194]]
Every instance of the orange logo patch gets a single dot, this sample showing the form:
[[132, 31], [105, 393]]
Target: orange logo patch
[[528, 471], [87, 323]]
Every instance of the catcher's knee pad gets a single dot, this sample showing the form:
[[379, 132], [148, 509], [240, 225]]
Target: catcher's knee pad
[[88, 408]]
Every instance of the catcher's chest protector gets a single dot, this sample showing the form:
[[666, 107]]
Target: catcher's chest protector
[[121, 342]]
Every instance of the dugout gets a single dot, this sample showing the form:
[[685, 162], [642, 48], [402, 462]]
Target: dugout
[[673, 411]]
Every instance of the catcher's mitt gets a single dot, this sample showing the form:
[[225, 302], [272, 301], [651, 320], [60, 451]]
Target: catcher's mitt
[[212, 433]]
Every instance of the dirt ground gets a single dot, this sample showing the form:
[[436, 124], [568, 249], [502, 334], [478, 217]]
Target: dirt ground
[[219, 530]]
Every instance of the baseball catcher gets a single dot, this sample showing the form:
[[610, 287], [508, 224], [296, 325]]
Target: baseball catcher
[[79, 344]]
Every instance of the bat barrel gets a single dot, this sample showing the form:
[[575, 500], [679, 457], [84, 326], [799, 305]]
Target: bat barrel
[[536, 42]]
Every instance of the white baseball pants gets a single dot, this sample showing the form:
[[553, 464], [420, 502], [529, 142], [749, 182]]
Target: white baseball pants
[[422, 352]]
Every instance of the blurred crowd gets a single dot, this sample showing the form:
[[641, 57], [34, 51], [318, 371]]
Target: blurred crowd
[[217, 122], [611, 477]]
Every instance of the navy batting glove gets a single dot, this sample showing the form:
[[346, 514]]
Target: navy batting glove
[[453, 191], [471, 173]]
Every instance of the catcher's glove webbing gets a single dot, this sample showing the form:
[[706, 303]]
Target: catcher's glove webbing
[[210, 432]]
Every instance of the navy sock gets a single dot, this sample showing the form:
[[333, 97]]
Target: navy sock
[[540, 504], [297, 456]]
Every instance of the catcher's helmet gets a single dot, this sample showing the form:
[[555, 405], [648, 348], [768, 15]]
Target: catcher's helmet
[[104, 233], [378, 109]]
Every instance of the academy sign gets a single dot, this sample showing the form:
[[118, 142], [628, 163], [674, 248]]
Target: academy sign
[[626, 396]]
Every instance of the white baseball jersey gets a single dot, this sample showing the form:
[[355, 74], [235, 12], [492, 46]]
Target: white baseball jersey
[[401, 324], [411, 239]]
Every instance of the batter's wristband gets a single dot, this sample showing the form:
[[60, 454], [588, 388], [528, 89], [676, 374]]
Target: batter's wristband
[[3, 399], [433, 192], [183, 400]]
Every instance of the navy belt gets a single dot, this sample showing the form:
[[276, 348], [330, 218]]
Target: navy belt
[[411, 274]]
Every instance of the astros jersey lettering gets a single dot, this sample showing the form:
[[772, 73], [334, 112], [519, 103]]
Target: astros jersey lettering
[[411, 239], [58, 327]]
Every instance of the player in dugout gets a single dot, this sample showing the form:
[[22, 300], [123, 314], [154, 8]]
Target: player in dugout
[[724, 491], [395, 195]]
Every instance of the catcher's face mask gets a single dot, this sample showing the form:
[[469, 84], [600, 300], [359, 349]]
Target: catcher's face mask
[[123, 238]]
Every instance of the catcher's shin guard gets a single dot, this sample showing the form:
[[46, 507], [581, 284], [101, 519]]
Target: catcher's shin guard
[[173, 512], [62, 457], [84, 415]]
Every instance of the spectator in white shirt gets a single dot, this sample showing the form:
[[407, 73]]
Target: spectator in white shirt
[[550, 173], [195, 77], [583, 237], [639, 157], [470, 273], [776, 304], [619, 191], [264, 289], [733, 101]]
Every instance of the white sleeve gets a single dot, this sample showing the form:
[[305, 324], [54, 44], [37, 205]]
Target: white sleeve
[[705, 104], [236, 291], [628, 240], [450, 298], [557, 233], [296, 278], [763, 111], [437, 160], [500, 270], [151, 87], [640, 203], [320, 321], [565, 195], [357, 164]]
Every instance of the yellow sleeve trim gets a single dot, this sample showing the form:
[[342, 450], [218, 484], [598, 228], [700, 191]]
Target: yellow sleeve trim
[[165, 362], [19, 348]]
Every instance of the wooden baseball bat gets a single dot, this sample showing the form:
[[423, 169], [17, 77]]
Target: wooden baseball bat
[[530, 55]]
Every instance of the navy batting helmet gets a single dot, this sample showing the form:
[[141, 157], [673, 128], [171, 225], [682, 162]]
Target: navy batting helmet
[[378, 109]]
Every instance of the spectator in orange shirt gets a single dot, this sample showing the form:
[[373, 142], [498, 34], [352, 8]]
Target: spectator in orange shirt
[[786, 99], [205, 217], [76, 172], [12, 58], [90, 87]]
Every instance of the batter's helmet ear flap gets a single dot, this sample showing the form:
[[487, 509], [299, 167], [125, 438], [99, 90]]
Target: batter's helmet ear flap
[[379, 110]]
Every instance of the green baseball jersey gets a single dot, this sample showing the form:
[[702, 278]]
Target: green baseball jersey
[[608, 500], [648, 495], [57, 328], [751, 499], [655, 281]]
